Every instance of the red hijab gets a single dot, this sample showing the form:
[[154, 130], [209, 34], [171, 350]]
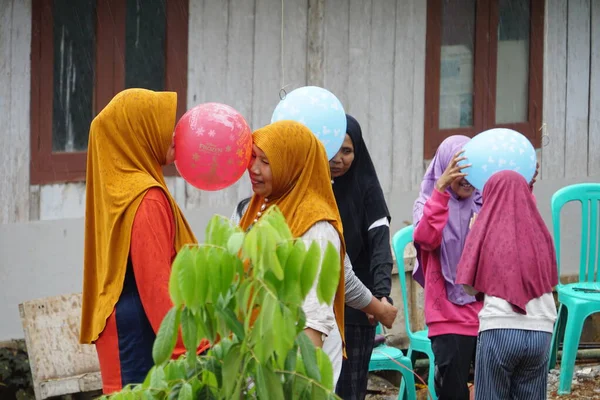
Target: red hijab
[[509, 252]]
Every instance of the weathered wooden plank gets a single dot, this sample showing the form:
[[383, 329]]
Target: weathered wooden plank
[[402, 126], [267, 61], [358, 67], [555, 89], [381, 76], [15, 45], [220, 29], [240, 70], [314, 56], [578, 87], [336, 55], [418, 95], [51, 328], [295, 45], [594, 122]]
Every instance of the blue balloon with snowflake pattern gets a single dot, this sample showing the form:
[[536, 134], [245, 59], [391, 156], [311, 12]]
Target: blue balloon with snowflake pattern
[[498, 149], [320, 111]]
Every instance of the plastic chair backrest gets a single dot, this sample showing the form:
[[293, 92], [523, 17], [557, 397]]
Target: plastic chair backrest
[[588, 195], [399, 242]]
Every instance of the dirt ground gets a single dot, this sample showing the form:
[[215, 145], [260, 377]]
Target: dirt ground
[[586, 385]]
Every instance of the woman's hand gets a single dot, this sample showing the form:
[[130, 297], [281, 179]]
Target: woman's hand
[[452, 173], [386, 314], [470, 290]]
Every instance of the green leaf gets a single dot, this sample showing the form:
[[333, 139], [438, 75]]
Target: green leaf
[[187, 275], [330, 275], [301, 385], [283, 251], [284, 339], [202, 273], [310, 267], [185, 393], [227, 266], [209, 378], [291, 284], [318, 393], [189, 332], [166, 337], [263, 324], [309, 358], [232, 322], [208, 319], [250, 246], [325, 368], [157, 379], [174, 287], [218, 231], [235, 242], [175, 370], [214, 273], [268, 383], [231, 372], [277, 221], [264, 347]]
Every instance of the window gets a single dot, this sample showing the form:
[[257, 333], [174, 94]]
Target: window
[[483, 68], [83, 53]]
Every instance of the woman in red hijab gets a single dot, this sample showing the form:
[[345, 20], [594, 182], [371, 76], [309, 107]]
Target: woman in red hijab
[[509, 260]]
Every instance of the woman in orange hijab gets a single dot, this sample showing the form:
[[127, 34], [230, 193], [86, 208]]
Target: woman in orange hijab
[[289, 169], [133, 230]]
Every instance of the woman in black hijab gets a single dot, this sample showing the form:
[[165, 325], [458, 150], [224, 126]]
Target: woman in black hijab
[[365, 218]]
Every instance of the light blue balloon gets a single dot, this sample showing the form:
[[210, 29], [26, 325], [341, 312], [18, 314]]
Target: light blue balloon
[[320, 111], [498, 149]]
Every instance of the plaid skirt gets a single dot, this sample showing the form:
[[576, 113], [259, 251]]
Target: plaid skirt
[[352, 384]]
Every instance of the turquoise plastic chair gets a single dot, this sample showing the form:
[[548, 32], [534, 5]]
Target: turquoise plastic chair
[[388, 358], [419, 341], [576, 304]]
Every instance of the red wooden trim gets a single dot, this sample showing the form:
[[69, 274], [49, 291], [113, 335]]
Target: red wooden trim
[[536, 71], [49, 167], [35, 97], [176, 62], [176, 51], [485, 69], [432, 73], [482, 64]]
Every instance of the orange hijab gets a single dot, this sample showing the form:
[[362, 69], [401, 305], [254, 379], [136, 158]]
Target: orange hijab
[[127, 146], [301, 188]]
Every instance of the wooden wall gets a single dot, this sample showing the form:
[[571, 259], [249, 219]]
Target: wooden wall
[[572, 89], [370, 53]]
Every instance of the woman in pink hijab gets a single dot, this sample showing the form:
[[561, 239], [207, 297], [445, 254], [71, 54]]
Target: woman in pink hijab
[[509, 260], [442, 214]]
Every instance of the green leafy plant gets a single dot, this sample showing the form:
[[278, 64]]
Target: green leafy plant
[[243, 292]]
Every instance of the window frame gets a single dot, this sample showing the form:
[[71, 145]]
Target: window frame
[[484, 74], [48, 167]]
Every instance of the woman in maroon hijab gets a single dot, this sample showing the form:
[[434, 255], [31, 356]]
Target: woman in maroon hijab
[[509, 260]]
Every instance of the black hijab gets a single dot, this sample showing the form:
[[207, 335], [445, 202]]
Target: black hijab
[[359, 195]]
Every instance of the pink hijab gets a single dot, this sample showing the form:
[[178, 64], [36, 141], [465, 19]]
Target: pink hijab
[[509, 252]]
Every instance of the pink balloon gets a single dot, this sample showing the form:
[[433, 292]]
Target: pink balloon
[[213, 146]]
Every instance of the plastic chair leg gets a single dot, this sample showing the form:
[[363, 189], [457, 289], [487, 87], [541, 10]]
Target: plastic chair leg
[[570, 344], [409, 354], [557, 334], [407, 386]]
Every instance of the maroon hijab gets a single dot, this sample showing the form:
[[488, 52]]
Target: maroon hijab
[[509, 252]]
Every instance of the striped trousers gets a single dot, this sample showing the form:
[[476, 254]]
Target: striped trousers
[[512, 364]]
